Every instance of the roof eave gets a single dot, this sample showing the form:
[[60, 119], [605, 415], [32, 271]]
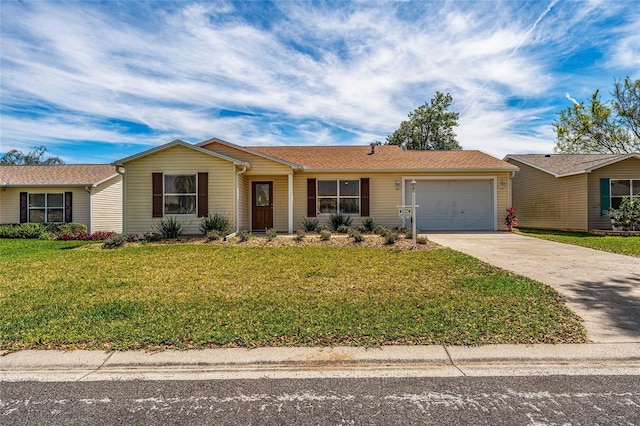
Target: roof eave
[[535, 166], [294, 166], [177, 142]]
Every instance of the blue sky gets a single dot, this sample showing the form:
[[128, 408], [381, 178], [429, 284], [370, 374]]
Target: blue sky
[[98, 81]]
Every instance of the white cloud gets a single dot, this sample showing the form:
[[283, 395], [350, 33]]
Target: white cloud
[[311, 75]]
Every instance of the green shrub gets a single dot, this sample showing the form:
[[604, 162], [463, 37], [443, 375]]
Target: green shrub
[[368, 224], [357, 236], [401, 229], [71, 229], [300, 234], [409, 235], [152, 236], [214, 236], [310, 224], [422, 240], [339, 219], [135, 238], [245, 236], [325, 235], [114, 241], [380, 230], [215, 222], [343, 229], [627, 217], [169, 227], [271, 234], [22, 230], [390, 237]]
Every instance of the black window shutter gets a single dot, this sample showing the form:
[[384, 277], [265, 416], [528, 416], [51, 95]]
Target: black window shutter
[[605, 196], [311, 198], [203, 194], [364, 197], [156, 179], [23, 207], [68, 207]]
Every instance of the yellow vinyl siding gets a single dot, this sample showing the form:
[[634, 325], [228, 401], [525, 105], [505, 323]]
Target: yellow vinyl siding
[[259, 165], [626, 169], [10, 202], [176, 160], [244, 206], [544, 201], [383, 195], [106, 206]]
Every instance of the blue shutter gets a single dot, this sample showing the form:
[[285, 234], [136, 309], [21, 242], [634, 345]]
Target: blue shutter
[[605, 196]]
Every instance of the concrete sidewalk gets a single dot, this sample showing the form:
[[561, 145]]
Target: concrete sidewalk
[[602, 288], [386, 361]]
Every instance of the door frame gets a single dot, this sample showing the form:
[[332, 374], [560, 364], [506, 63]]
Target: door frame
[[253, 201]]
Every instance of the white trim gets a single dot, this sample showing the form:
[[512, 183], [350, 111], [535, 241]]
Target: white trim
[[164, 194], [178, 142], [250, 151], [631, 195], [46, 207], [290, 206], [494, 185], [338, 197]]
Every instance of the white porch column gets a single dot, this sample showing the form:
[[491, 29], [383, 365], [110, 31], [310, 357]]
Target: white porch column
[[290, 204]]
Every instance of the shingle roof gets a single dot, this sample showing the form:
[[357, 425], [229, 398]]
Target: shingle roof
[[67, 174], [567, 164], [386, 157]]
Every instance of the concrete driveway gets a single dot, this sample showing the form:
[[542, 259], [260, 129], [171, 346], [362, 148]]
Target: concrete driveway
[[602, 288]]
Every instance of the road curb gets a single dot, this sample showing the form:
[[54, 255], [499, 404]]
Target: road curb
[[338, 357]]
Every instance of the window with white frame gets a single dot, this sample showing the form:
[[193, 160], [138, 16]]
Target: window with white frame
[[180, 195], [46, 208], [341, 196], [621, 188]]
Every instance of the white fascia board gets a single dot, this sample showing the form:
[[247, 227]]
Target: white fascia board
[[178, 143], [253, 152]]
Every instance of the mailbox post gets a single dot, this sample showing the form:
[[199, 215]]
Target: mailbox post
[[413, 212]]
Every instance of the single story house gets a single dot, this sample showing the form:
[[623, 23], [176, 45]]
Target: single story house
[[572, 191], [276, 187], [90, 194]]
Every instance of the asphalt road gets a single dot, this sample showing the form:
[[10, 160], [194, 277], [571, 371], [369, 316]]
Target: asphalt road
[[533, 400]]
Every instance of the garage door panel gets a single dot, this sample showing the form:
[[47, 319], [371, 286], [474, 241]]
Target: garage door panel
[[454, 204]]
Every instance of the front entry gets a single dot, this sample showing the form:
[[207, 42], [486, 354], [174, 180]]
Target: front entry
[[262, 205]]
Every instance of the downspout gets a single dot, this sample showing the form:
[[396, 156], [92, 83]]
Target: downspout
[[237, 206], [88, 189], [121, 173]]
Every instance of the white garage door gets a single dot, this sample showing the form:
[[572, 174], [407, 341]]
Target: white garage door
[[453, 205]]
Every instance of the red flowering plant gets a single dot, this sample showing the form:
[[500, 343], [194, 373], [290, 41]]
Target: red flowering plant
[[511, 220]]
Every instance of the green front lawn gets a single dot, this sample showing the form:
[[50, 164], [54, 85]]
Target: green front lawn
[[76, 295], [614, 244]]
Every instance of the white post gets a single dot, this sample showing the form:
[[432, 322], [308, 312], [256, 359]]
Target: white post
[[413, 212]]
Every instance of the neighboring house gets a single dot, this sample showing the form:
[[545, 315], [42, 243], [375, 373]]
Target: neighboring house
[[276, 187], [572, 191], [83, 193]]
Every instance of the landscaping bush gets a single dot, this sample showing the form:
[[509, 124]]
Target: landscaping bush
[[627, 217], [70, 228], [325, 235], [380, 230], [22, 230], [152, 236], [214, 236], [390, 237], [114, 241], [215, 222], [422, 240], [271, 234], [337, 220], [511, 220], [169, 227], [357, 236], [310, 224], [245, 236], [343, 229], [300, 234], [402, 230], [368, 224], [96, 236]]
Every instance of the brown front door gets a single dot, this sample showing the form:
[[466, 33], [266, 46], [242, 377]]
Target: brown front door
[[262, 205]]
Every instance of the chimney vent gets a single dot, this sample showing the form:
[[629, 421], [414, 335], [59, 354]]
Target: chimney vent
[[547, 155], [373, 148]]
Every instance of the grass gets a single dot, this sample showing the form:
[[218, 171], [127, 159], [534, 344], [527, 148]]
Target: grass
[[75, 295], [611, 243]]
